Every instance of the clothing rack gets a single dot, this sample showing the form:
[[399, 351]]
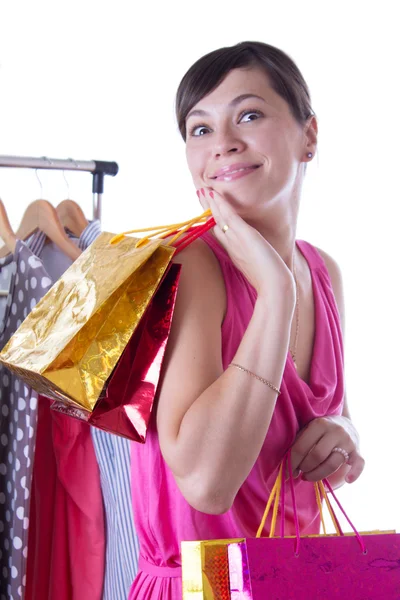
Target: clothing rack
[[98, 168]]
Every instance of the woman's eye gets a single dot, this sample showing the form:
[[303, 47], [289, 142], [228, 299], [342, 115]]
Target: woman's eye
[[250, 115], [199, 130]]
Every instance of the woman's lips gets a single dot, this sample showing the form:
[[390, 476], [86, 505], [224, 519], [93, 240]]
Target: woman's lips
[[234, 172]]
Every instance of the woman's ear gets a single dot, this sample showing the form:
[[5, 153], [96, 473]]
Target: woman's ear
[[311, 135]]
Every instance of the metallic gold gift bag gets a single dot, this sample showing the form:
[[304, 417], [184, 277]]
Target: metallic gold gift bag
[[205, 570], [71, 341], [70, 344]]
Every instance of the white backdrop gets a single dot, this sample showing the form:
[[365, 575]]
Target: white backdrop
[[96, 80]]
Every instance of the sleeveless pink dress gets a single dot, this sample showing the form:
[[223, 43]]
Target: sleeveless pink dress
[[163, 517]]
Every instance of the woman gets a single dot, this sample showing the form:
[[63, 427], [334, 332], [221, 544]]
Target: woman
[[254, 364]]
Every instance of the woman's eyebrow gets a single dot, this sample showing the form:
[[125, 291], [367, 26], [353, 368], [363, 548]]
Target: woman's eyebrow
[[232, 103]]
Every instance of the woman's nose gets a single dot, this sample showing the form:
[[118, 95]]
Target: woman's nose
[[227, 143]]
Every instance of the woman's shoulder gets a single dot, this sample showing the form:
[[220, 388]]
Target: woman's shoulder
[[200, 259], [336, 280], [330, 264], [201, 274], [319, 258]]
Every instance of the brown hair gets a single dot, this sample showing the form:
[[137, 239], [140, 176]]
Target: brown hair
[[210, 70]]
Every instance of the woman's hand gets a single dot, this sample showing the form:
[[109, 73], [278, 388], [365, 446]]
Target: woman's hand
[[313, 455], [251, 253]]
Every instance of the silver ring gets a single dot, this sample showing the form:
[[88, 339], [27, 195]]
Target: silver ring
[[345, 454], [225, 228]]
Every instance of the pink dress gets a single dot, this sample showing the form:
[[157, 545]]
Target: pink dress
[[162, 515]]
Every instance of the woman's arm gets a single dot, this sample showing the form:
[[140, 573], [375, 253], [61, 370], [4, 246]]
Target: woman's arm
[[211, 423]]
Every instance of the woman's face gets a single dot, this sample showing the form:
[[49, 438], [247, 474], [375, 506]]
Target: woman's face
[[243, 141]]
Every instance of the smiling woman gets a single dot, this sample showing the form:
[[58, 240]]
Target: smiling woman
[[254, 364], [270, 119]]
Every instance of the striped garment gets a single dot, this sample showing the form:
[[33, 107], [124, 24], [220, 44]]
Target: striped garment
[[122, 553], [122, 549]]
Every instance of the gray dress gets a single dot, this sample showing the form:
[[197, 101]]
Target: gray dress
[[24, 275], [27, 275]]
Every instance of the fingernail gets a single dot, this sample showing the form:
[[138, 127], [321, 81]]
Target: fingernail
[[203, 192], [212, 195], [296, 473], [198, 193]]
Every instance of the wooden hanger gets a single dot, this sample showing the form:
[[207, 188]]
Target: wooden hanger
[[43, 216], [72, 217], [6, 233]]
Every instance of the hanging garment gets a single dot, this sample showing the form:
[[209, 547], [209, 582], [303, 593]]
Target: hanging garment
[[163, 517], [122, 551], [27, 281], [66, 534], [66, 548]]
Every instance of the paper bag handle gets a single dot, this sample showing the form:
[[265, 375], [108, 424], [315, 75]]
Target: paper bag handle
[[193, 228], [279, 488], [277, 496]]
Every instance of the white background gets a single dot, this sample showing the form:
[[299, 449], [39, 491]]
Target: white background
[[96, 80]]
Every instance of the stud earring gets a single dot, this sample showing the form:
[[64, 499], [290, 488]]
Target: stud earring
[[309, 155]]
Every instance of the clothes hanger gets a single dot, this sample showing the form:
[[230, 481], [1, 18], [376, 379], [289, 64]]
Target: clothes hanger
[[8, 236], [72, 217], [43, 216], [6, 233]]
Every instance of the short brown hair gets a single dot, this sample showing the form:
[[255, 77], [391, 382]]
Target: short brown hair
[[210, 70]]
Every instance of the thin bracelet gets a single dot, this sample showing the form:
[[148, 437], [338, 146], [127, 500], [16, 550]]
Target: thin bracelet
[[265, 381]]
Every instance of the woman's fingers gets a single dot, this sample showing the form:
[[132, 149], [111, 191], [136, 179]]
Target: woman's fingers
[[316, 452], [228, 223], [322, 454], [222, 211], [203, 199], [325, 469], [356, 464]]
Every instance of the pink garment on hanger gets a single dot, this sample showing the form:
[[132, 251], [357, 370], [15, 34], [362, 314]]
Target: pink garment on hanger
[[66, 532], [163, 518]]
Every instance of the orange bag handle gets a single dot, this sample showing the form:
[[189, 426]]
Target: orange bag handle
[[275, 495], [193, 228]]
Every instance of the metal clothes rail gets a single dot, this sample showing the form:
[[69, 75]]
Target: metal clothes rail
[[98, 169]]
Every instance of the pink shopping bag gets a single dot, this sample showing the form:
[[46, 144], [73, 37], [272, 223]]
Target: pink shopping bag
[[348, 566], [326, 567]]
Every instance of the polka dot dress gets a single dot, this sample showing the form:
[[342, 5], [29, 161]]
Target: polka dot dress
[[26, 280]]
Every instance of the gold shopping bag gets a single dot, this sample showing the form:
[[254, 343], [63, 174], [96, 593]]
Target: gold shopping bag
[[205, 569], [69, 344]]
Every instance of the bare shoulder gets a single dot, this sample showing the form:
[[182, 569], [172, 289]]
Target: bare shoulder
[[199, 253], [201, 271], [336, 280], [333, 268]]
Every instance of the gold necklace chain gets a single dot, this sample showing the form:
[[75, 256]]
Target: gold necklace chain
[[294, 352]]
